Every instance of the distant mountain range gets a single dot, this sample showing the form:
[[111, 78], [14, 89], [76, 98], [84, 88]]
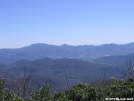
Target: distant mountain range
[[85, 63], [39, 51]]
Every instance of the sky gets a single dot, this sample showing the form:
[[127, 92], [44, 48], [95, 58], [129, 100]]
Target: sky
[[72, 22]]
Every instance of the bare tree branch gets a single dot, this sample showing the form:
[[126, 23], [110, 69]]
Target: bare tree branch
[[66, 78]]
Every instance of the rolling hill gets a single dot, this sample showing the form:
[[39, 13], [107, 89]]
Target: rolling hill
[[52, 71]]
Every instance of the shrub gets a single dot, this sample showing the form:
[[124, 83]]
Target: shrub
[[6, 95], [42, 95]]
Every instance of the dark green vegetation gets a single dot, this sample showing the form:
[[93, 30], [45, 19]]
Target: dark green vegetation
[[119, 89], [39, 51]]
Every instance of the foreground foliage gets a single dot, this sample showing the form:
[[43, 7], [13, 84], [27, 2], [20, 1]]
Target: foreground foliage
[[80, 92]]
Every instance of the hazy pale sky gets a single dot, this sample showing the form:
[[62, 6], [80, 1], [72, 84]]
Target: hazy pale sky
[[73, 22]]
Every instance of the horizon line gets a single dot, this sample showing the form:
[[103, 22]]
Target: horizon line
[[68, 45]]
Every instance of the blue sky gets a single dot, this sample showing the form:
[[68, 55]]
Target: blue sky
[[73, 22]]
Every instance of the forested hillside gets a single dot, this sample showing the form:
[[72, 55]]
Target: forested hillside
[[52, 71]]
